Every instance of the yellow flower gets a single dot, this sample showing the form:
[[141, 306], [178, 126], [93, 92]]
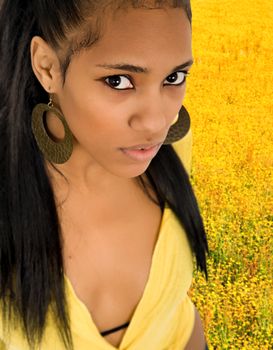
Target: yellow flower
[[229, 98]]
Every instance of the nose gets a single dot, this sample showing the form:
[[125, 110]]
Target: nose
[[151, 117]]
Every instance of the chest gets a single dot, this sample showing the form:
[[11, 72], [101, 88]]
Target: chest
[[108, 261]]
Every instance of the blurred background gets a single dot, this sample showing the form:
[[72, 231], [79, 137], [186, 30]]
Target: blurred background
[[230, 99]]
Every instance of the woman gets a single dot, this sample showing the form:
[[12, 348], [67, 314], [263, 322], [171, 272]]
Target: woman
[[98, 219]]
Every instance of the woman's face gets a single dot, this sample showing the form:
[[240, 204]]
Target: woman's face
[[109, 109]]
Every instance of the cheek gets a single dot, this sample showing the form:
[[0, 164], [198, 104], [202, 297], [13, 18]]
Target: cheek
[[181, 93], [91, 119]]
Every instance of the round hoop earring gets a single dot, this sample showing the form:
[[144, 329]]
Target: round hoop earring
[[56, 152], [178, 130]]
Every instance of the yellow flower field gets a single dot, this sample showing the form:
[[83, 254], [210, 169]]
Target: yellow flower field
[[230, 99]]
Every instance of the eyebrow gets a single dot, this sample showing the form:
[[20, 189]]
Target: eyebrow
[[137, 69]]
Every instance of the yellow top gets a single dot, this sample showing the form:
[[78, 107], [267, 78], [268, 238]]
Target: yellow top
[[164, 317]]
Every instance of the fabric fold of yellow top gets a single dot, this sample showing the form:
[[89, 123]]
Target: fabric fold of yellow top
[[164, 317]]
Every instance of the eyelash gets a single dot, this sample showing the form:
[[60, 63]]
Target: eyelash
[[186, 74]]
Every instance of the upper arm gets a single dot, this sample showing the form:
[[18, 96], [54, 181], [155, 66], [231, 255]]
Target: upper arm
[[183, 148], [197, 340]]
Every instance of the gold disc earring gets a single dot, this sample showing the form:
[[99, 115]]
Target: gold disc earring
[[56, 152], [178, 130]]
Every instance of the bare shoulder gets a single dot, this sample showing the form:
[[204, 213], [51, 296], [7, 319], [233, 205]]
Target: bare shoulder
[[197, 340]]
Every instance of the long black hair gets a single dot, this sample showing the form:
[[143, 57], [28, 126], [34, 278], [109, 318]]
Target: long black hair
[[31, 264]]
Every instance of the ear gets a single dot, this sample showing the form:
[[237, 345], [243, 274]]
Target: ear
[[45, 64]]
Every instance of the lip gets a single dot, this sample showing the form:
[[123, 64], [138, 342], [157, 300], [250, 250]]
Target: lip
[[147, 145], [141, 155]]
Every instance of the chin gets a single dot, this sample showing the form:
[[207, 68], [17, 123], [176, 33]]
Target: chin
[[132, 171]]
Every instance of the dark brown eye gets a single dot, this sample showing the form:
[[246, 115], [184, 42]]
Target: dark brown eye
[[178, 78], [118, 82]]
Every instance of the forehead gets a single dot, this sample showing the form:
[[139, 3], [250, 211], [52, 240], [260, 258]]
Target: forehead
[[154, 35]]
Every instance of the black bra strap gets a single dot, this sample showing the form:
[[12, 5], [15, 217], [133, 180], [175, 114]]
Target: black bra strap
[[104, 333]]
